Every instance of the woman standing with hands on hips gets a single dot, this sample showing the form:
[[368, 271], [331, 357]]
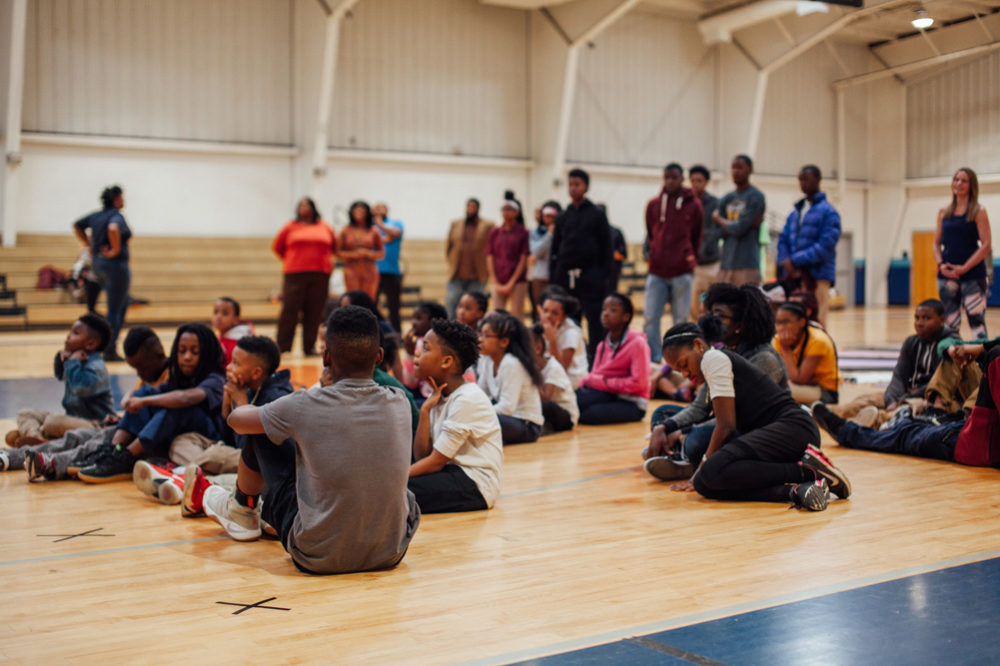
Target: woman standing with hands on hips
[[306, 246], [962, 243], [108, 242]]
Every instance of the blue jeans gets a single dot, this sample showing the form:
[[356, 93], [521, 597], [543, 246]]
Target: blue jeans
[[909, 438], [659, 290], [603, 408], [114, 277], [156, 427], [456, 288]]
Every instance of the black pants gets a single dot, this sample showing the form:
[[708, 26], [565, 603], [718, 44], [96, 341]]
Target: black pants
[[759, 466], [276, 464], [603, 408], [518, 431], [304, 293], [391, 284], [556, 417], [447, 491], [591, 309]]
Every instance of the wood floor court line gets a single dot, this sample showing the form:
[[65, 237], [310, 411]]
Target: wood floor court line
[[728, 611], [109, 551]]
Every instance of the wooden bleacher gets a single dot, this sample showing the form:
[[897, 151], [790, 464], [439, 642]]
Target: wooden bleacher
[[181, 278]]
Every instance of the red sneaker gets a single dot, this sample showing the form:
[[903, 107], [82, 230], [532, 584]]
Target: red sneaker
[[148, 477], [195, 484]]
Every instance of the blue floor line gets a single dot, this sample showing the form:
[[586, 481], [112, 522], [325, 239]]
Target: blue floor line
[[719, 613], [107, 551], [574, 482]]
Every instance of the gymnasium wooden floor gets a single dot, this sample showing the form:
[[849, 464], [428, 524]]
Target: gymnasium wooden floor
[[582, 549]]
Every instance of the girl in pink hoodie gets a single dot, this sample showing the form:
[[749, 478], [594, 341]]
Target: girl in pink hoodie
[[617, 388]]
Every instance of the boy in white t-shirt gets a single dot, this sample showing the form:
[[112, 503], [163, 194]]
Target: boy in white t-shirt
[[458, 447], [558, 397]]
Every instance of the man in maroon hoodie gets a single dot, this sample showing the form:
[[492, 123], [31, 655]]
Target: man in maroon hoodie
[[673, 229]]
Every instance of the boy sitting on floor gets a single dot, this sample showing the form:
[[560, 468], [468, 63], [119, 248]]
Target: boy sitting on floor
[[458, 447], [64, 455], [974, 440], [87, 394], [227, 324], [343, 505], [918, 359]]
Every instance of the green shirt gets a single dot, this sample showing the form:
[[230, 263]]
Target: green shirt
[[383, 378]]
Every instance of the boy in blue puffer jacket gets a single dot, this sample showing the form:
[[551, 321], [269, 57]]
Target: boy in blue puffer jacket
[[807, 247]]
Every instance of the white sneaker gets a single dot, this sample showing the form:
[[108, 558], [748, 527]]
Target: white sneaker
[[240, 522]]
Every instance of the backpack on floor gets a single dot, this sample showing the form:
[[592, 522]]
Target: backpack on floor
[[979, 441]]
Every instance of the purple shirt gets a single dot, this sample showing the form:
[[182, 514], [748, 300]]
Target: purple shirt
[[507, 246]]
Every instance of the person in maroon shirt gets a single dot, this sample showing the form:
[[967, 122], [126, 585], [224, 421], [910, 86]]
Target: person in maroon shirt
[[507, 259]]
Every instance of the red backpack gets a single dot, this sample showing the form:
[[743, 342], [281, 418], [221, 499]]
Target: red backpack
[[979, 442]]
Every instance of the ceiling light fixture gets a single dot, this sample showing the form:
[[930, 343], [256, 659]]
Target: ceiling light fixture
[[922, 20]]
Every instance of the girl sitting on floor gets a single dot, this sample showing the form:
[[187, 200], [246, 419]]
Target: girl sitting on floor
[[424, 315], [189, 401], [472, 307], [509, 375], [617, 388], [741, 319], [809, 355], [563, 336], [558, 397], [762, 445]]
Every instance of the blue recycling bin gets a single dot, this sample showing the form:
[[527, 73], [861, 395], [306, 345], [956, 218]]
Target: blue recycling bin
[[859, 281], [899, 282]]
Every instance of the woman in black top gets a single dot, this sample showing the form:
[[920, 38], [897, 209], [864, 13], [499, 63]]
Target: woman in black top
[[108, 241], [773, 458]]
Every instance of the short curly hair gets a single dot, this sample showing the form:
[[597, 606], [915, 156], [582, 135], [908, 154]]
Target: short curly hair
[[458, 340]]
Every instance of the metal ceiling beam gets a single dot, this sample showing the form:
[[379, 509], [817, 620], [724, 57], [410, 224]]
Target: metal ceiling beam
[[916, 65]]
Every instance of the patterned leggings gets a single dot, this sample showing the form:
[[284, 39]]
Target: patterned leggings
[[970, 294]]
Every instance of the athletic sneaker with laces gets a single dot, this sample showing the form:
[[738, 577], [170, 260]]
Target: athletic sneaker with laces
[[811, 495], [823, 468], [39, 465], [195, 485], [148, 477], [827, 419], [669, 468], [89, 459], [241, 523], [4, 461], [115, 465], [901, 414]]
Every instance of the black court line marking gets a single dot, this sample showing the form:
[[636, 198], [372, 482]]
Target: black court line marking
[[690, 657], [259, 604], [67, 537]]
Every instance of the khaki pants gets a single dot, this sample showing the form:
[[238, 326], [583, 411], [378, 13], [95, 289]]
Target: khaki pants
[[515, 299], [740, 276], [704, 277], [48, 425], [851, 409], [952, 388], [212, 456], [823, 300]]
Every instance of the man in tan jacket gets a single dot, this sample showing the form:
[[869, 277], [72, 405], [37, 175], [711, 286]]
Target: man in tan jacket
[[466, 253]]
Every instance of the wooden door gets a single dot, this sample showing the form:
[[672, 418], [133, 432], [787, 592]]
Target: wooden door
[[923, 273]]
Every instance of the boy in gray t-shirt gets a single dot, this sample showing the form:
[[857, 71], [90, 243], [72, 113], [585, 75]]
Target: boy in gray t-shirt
[[344, 506], [739, 215]]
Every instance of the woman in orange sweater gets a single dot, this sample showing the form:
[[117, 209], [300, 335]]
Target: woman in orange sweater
[[306, 246]]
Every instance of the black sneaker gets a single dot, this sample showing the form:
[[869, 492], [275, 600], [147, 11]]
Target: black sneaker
[[824, 468], [38, 465], [811, 495], [669, 468], [115, 466], [105, 449], [827, 419]]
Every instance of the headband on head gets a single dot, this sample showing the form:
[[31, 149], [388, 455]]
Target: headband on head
[[681, 337], [510, 203], [547, 210]]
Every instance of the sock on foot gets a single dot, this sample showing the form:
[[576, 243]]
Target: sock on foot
[[249, 501]]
